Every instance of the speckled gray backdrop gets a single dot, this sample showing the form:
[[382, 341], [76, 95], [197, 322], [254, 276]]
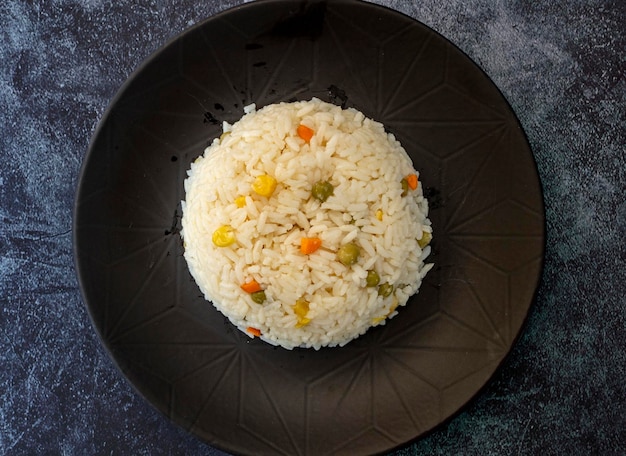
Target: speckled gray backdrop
[[559, 63]]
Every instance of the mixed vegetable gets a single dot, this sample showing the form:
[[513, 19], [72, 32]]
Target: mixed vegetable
[[348, 254], [322, 190], [254, 331], [305, 132], [385, 290], [240, 201], [309, 245], [425, 239], [254, 289], [372, 279], [251, 287], [258, 296], [408, 183], [224, 236], [264, 185], [301, 309]]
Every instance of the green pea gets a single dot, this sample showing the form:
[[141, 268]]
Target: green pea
[[425, 240], [258, 297], [372, 278], [385, 290], [348, 254], [322, 190], [405, 187]]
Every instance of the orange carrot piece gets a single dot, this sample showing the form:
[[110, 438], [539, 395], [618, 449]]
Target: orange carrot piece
[[255, 332], [309, 245], [251, 286], [412, 180], [305, 132]]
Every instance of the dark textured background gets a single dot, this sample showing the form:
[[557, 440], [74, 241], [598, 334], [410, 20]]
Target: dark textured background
[[559, 63]]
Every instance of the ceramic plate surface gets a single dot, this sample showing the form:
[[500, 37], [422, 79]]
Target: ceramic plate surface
[[396, 382]]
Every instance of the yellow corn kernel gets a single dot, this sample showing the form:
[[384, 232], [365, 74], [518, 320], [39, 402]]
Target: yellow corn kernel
[[264, 185], [379, 215], [301, 308], [303, 322], [426, 238], [224, 236], [394, 306], [240, 201]]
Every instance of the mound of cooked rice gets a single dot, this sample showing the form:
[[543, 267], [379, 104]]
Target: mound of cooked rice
[[306, 224]]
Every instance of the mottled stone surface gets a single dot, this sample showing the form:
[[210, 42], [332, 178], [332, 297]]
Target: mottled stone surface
[[559, 63]]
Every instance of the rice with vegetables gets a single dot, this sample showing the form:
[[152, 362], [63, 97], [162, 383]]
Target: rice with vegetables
[[306, 224]]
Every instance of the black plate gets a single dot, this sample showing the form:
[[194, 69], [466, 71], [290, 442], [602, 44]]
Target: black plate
[[396, 382]]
